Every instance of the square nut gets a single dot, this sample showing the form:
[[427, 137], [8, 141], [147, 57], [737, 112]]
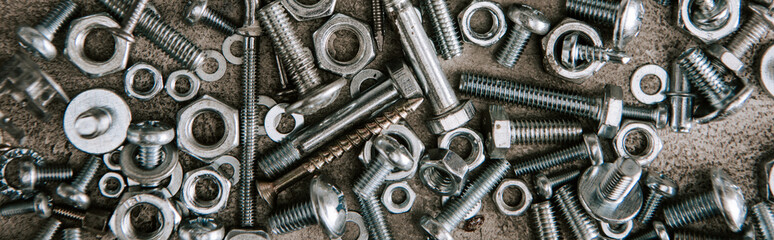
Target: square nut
[[611, 111]]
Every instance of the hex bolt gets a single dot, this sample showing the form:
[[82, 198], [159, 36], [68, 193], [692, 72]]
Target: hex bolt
[[454, 211], [37, 39], [725, 199], [587, 107], [752, 32], [75, 193], [249, 115], [197, 10], [47, 231], [268, 190], [545, 221], [625, 16], [574, 53], [326, 207], [661, 187], [611, 192], [534, 131], [544, 185], [659, 232], [589, 149], [446, 36], [71, 234], [580, 222], [130, 21], [30, 174], [680, 101], [40, 205], [526, 21], [92, 220], [705, 77], [150, 136], [377, 17], [763, 220], [449, 113]]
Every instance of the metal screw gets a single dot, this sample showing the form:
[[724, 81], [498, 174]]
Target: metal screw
[[268, 190], [752, 32], [659, 232], [48, 229], [661, 187], [690, 235], [544, 185], [543, 216], [71, 234], [75, 192], [455, 209], [446, 37], [589, 149], [705, 77], [40, 205], [92, 220], [726, 199], [763, 217], [327, 208], [130, 21], [150, 136], [611, 192], [588, 107], [37, 39], [529, 131], [625, 17], [526, 21], [197, 10], [249, 114], [574, 53], [377, 14], [31, 174], [580, 223], [285, 89]]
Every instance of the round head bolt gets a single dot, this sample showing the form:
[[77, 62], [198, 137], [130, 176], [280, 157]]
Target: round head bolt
[[42, 204], [529, 18], [393, 153], [73, 196], [729, 199], [28, 174], [611, 111], [594, 149], [659, 183], [627, 22], [195, 10], [150, 133], [499, 141], [330, 207], [34, 41], [543, 186]]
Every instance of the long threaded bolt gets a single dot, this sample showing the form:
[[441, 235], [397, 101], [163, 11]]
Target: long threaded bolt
[[197, 10], [705, 77], [248, 117], [527, 131], [30, 174], [324, 199], [574, 53], [625, 17], [48, 229], [377, 17], [455, 210], [526, 21], [71, 234], [763, 217], [444, 28], [544, 185], [37, 39], [75, 192], [580, 223], [752, 32], [546, 226], [150, 136], [661, 187], [726, 199], [130, 21], [589, 149], [40, 205]]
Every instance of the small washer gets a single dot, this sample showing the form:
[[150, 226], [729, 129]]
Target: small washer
[[641, 73], [12, 192], [215, 76], [272, 120], [193, 81], [526, 197], [111, 193], [231, 161], [107, 158], [476, 157], [158, 81], [269, 103], [495, 33], [361, 77], [357, 219], [227, 49], [616, 232], [402, 207], [103, 101]]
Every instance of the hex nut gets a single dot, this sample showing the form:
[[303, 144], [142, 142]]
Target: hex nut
[[414, 145], [205, 207], [193, 82], [129, 75], [365, 53], [725, 57], [476, 157], [303, 12], [120, 222], [443, 172], [611, 112], [186, 117], [402, 207], [494, 34], [654, 143], [499, 139], [76, 38], [452, 119], [708, 34], [111, 193], [552, 61], [524, 201]]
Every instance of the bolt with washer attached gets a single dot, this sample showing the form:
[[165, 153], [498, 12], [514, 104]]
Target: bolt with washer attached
[[611, 192], [661, 187], [575, 54], [75, 193], [326, 207], [150, 136], [40, 205], [37, 39], [544, 185], [725, 199], [30, 174], [197, 10], [590, 149], [625, 17], [526, 21]]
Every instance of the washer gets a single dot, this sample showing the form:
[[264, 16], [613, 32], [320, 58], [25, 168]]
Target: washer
[[12, 192], [269, 103], [402, 207], [495, 33], [107, 159], [642, 72], [158, 81], [104, 181], [215, 76], [272, 120], [227, 48], [361, 77], [231, 161], [476, 157], [357, 219], [526, 197], [192, 79], [617, 232], [104, 102], [767, 71]]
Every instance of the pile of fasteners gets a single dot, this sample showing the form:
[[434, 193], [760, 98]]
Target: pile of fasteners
[[598, 193]]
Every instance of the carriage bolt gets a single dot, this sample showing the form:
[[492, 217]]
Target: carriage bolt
[[71, 234], [543, 216], [526, 22], [377, 15], [544, 185], [661, 187], [506, 132], [763, 220], [625, 16], [197, 10], [588, 107], [326, 208], [611, 192], [680, 101], [659, 232], [75, 193], [130, 21], [305, 141], [268, 190], [580, 222], [449, 112], [725, 199], [30, 174], [92, 220], [249, 114], [446, 37], [574, 54], [40, 205], [47, 231], [37, 39], [589, 149], [752, 32], [150, 136], [454, 211]]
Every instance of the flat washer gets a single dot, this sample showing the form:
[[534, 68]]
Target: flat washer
[[767, 71], [362, 76], [158, 81], [272, 120], [231, 161], [192, 79], [215, 76], [103, 185], [107, 159], [227, 48], [642, 72], [269, 103], [619, 232], [357, 219], [106, 100]]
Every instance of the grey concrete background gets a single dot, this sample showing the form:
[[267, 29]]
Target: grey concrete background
[[736, 144]]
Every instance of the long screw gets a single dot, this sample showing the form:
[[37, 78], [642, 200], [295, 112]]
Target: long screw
[[752, 32], [71, 234], [197, 10], [763, 217], [249, 114], [40, 205], [661, 187], [130, 21], [580, 223], [588, 149], [545, 220], [574, 53], [75, 192], [30, 174], [545, 185], [444, 29], [37, 39], [268, 190], [703, 206], [48, 229], [588, 107], [705, 77], [377, 16]]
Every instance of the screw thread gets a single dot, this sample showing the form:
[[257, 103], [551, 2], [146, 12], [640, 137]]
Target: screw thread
[[543, 216], [373, 178], [130, 21], [593, 54], [87, 174], [749, 35], [456, 209], [69, 213], [377, 15], [17, 208], [435, 27], [279, 159], [621, 179], [48, 229], [299, 62], [551, 160], [248, 124], [508, 91], [641, 113], [763, 220], [292, 219], [373, 216], [545, 131], [598, 11], [510, 53], [704, 76], [649, 235], [444, 28], [563, 178], [55, 18], [664, 2], [217, 20], [580, 223], [688, 235], [692, 210], [54, 173], [651, 205], [71, 234], [150, 156]]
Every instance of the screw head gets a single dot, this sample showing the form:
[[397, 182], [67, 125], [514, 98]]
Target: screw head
[[434, 228], [42, 203], [594, 149], [661, 230], [393, 153], [194, 10], [330, 207], [28, 174], [729, 198], [661, 184], [73, 196], [531, 19], [543, 186], [32, 40], [627, 22], [663, 115], [149, 133]]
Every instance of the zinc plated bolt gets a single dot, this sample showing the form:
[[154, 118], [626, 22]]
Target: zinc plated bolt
[[705, 77], [150, 136], [377, 17], [545, 220], [574, 53], [544, 185], [659, 232], [580, 222], [590, 149], [725, 199], [40, 205], [130, 21], [30, 174], [752, 32], [249, 114], [48, 229], [611, 192], [527, 21], [625, 16], [691, 235], [93, 220], [197, 10], [71, 234], [532, 131], [37, 39], [661, 187], [326, 207], [446, 36], [75, 193], [763, 220], [454, 211]]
